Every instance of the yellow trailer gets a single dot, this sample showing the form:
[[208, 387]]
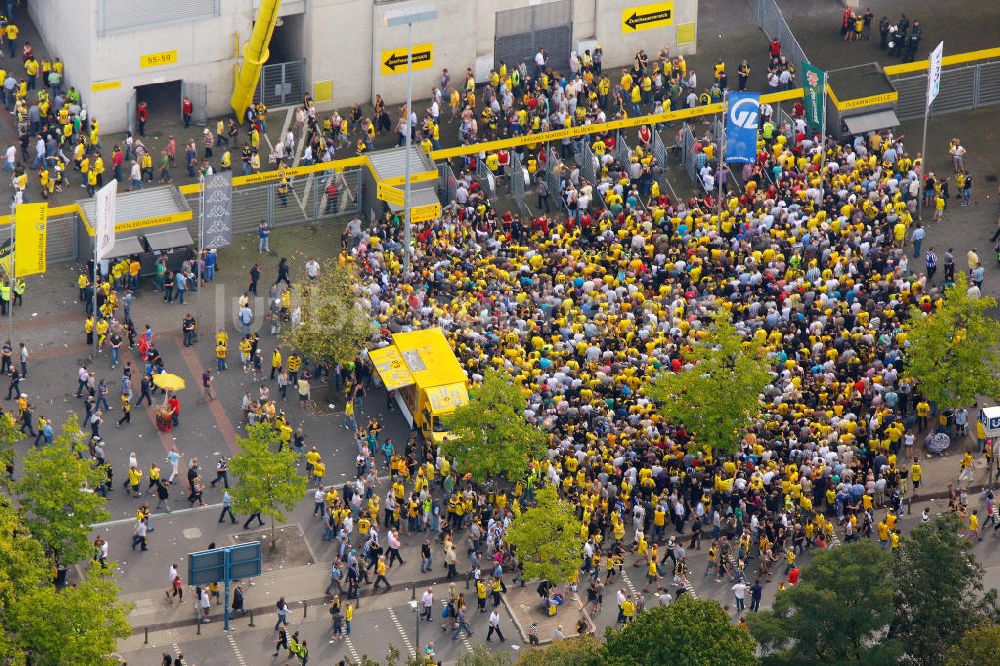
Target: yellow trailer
[[428, 381]]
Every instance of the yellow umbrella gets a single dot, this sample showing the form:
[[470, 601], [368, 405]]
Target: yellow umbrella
[[169, 382]]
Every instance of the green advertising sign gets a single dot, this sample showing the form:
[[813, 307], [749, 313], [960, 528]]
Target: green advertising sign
[[814, 96]]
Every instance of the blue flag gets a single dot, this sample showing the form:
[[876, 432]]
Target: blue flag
[[742, 117]]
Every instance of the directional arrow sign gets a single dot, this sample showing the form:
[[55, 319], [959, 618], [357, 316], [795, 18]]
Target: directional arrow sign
[[394, 60], [424, 213], [390, 194], [645, 17]]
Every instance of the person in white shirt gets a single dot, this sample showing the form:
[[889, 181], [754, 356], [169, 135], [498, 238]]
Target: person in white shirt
[[312, 269], [427, 599]]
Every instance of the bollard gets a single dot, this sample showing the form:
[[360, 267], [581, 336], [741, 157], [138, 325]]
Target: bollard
[[305, 609], [145, 640], [251, 618], [413, 592]]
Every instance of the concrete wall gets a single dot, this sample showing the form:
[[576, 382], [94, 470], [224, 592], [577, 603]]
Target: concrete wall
[[343, 42], [205, 54], [621, 46]]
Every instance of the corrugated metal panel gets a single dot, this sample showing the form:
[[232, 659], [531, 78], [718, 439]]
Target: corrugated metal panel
[[422, 197], [871, 121], [141, 204], [989, 83], [129, 15], [392, 163]]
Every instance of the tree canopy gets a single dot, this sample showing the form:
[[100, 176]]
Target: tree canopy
[[696, 632], [58, 498], [269, 481], [578, 651], [954, 352], [331, 326], [490, 435], [718, 396], [838, 612], [547, 538], [937, 589]]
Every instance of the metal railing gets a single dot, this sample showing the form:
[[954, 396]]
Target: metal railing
[[962, 89], [772, 22], [447, 183], [281, 83], [486, 179], [517, 174], [660, 153]]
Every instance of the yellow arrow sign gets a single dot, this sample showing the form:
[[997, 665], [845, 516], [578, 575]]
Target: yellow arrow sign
[[645, 17], [389, 194], [424, 213], [394, 60]]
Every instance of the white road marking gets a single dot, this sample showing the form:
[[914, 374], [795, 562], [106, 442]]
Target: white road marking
[[399, 627], [352, 649], [236, 649]]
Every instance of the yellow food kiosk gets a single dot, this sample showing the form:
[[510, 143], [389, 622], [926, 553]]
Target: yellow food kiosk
[[428, 381]]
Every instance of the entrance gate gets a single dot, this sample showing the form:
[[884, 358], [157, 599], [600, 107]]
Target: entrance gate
[[521, 32]]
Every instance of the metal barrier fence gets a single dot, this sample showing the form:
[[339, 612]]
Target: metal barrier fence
[[587, 162], [661, 155], [447, 183], [308, 199], [772, 22], [687, 153], [281, 83], [517, 175], [486, 179], [552, 176], [962, 89]]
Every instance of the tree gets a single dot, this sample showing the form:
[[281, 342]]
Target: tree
[[57, 495], [688, 631], [547, 538], [954, 352], [332, 326], [979, 646], [22, 568], [10, 434], [483, 656], [579, 651], [719, 394], [78, 624], [937, 589], [269, 482], [490, 435], [838, 612]]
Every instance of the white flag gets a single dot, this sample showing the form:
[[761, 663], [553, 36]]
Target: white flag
[[104, 222], [934, 74]]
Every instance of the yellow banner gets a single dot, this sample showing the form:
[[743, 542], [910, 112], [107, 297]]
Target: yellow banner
[[861, 102], [394, 61], [644, 17], [30, 227], [143, 223], [391, 368], [158, 59]]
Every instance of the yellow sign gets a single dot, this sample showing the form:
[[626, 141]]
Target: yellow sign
[[157, 221], [861, 102], [424, 213], [394, 60], [646, 17], [30, 226], [391, 368], [158, 59], [685, 33], [390, 194], [105, 85], [322, 91]]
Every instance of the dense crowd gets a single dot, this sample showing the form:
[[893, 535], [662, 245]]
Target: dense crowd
[[583, 311]]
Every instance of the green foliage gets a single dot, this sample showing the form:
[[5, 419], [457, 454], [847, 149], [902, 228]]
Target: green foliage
[[579, 651], [333, 327], [10, 434], [76, 625], [491, 436], [483, 656], [717, 397], [690, 631], [838, 612], [954, 352], [57, 495], [937, 589], [269, 481], [979, 646], [547, 538]]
